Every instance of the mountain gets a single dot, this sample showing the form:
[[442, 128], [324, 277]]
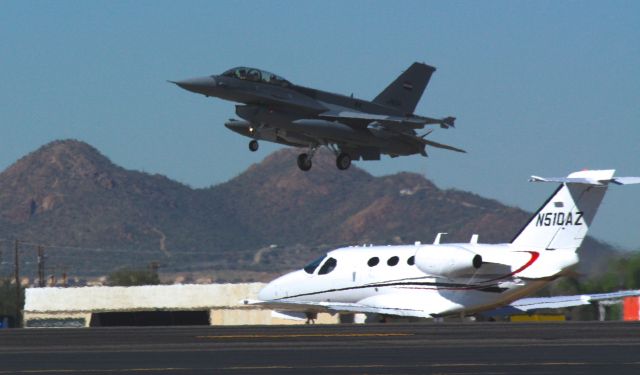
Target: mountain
[[94, 216]]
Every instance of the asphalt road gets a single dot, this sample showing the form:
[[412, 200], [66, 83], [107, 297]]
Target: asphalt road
[[464, 348]]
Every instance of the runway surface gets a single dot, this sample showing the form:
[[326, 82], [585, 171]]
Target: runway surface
[[464, 348]]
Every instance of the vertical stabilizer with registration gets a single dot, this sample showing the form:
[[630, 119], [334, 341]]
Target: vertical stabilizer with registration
[[405, 92], [563, 221]]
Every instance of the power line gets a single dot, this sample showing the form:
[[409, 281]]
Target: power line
[[100, 250]]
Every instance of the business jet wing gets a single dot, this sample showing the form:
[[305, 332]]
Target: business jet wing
[[370, 307], [363, 119], [536, 303]]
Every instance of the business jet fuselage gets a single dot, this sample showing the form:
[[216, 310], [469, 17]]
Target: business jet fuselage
[[431, 280]]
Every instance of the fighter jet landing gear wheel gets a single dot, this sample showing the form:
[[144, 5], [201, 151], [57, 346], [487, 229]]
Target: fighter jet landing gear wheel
[[343, 161], [304, 163], [253, 145]]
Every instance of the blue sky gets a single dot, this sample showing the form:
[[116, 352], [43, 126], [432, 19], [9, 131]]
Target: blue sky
[[538, 87]]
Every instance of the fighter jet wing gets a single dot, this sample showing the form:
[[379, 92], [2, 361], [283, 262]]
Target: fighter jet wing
[[363, 119], [338, 307], [536, 303]]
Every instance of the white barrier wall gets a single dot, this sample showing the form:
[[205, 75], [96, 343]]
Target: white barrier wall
[[72, 307], [137, 298]]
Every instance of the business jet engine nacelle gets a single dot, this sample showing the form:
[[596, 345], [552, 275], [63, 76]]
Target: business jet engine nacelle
[[447, 261]]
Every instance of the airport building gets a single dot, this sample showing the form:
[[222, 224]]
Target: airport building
[[209, 304]]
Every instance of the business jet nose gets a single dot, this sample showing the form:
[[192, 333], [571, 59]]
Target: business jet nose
[[284, 286], [268, 293], [200, 85]]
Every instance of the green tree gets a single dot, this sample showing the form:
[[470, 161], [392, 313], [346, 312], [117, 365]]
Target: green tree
[[133, 276], [622, 273], [8, 298]]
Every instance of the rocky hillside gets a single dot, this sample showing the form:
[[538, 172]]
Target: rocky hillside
[[94, 216]]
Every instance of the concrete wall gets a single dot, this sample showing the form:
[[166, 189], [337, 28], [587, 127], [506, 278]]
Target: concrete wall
[[150, 297], [73, 306]]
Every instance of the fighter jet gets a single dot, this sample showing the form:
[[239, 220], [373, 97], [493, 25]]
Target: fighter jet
[[276, 110]]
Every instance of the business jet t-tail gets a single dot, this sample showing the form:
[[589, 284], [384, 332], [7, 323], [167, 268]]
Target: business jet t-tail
[[434, 280]]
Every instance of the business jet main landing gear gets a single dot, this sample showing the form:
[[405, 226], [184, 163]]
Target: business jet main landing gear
[[343, 161], [311, 317], [304, 160], [253, 145]]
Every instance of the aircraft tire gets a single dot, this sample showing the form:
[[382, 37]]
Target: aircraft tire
[[253, 145], [303, 162], [343, 161]]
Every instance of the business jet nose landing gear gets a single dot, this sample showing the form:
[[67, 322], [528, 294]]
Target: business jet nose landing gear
[[253, 145]]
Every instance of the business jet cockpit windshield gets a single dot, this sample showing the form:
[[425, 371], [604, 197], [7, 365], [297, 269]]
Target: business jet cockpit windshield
[[311, 267], [328, 265]]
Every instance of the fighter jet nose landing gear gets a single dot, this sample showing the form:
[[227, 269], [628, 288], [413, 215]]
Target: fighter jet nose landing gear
[[343, 161], [304, 162], [253, 145]]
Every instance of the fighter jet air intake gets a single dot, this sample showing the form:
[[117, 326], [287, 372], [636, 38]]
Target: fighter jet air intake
[[276, 110]]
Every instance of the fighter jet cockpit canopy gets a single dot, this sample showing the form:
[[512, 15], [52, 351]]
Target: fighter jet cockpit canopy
[[257, 75]]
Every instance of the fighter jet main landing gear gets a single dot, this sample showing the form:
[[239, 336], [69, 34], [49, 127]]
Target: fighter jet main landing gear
[[253, 145], [343, 161], [304, 160]]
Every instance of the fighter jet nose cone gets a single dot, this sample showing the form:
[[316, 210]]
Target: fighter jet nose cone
[[187, 84], [200, 85]]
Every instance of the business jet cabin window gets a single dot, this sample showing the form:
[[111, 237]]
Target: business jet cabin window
[[393, 261]]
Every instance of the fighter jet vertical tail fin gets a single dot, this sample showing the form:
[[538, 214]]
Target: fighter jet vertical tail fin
[[405, 92]]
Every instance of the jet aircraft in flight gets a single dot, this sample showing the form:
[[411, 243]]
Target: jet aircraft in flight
[[276, 110], [435, 280]]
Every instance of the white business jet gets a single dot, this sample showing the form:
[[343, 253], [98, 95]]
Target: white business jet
[[434, 280]]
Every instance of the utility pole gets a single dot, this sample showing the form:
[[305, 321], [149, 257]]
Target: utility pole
[[154, 267], [41, 280], [52, 277], [17, 275], [64, 277]]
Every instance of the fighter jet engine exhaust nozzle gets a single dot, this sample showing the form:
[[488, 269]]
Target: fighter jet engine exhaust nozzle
[[447, 261]]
